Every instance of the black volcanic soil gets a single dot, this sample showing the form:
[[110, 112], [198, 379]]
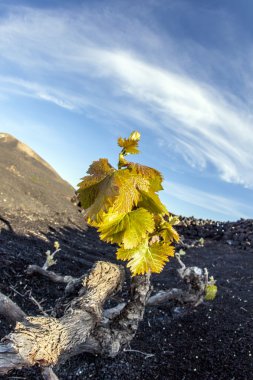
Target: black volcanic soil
[[213, 341]]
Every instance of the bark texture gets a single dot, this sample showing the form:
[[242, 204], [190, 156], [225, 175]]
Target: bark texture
[[113, 335], [54, 277], [85, 326], [47, 341], [10, 310]]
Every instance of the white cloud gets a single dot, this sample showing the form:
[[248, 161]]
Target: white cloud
[[208, 201], [12, 85], [209, 129], [205, 126]]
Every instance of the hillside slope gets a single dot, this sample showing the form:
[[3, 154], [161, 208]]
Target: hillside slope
[[30, 185]]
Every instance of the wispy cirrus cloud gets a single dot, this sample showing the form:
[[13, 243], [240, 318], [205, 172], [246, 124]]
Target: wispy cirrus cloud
[[13, 85], [218, 204], [210, 130], [93, 66]]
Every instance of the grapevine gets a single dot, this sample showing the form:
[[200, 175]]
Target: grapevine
[[124, 206]]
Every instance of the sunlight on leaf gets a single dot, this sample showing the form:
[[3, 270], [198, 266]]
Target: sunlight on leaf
[[124, 206], [145, 258], [169, 233], [130, 145], [128, 229]]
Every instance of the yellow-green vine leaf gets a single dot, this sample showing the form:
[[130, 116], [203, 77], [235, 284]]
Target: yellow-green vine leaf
[[169, 233], [173, 219], [88, 190], [154, 176], [56, 245], [135, 135], [181, 252], [144, 258], [129, 187], [210, 292], [106, 193], [152, 203], [127, 229], [100, 168], [130, 145], [89, 187], [118, 193]]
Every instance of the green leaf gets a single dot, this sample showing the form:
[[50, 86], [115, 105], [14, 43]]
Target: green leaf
[[130, 145], [118, 193], [100, 168], [173, 219], [144, 258], [154, 176], [90, 185], [88, 191], [106, 193], [169, 233], [181, 252], [152, 203], [210, 292], [128, 229], [135, 136], [129, 187]]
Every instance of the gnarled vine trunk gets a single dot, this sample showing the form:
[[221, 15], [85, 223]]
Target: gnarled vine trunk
[[47, 341], [85, 326]]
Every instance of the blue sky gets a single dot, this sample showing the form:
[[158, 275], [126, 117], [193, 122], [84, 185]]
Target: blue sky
[[76, 75]]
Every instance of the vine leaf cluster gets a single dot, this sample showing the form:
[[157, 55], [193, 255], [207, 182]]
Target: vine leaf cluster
[[124, 206]]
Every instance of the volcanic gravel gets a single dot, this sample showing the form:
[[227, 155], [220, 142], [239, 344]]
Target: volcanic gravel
[[213, 341]]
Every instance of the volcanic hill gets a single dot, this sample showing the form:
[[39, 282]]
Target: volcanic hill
[[29, 185]]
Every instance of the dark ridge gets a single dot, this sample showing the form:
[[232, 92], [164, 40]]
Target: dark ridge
[[238, 234]]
